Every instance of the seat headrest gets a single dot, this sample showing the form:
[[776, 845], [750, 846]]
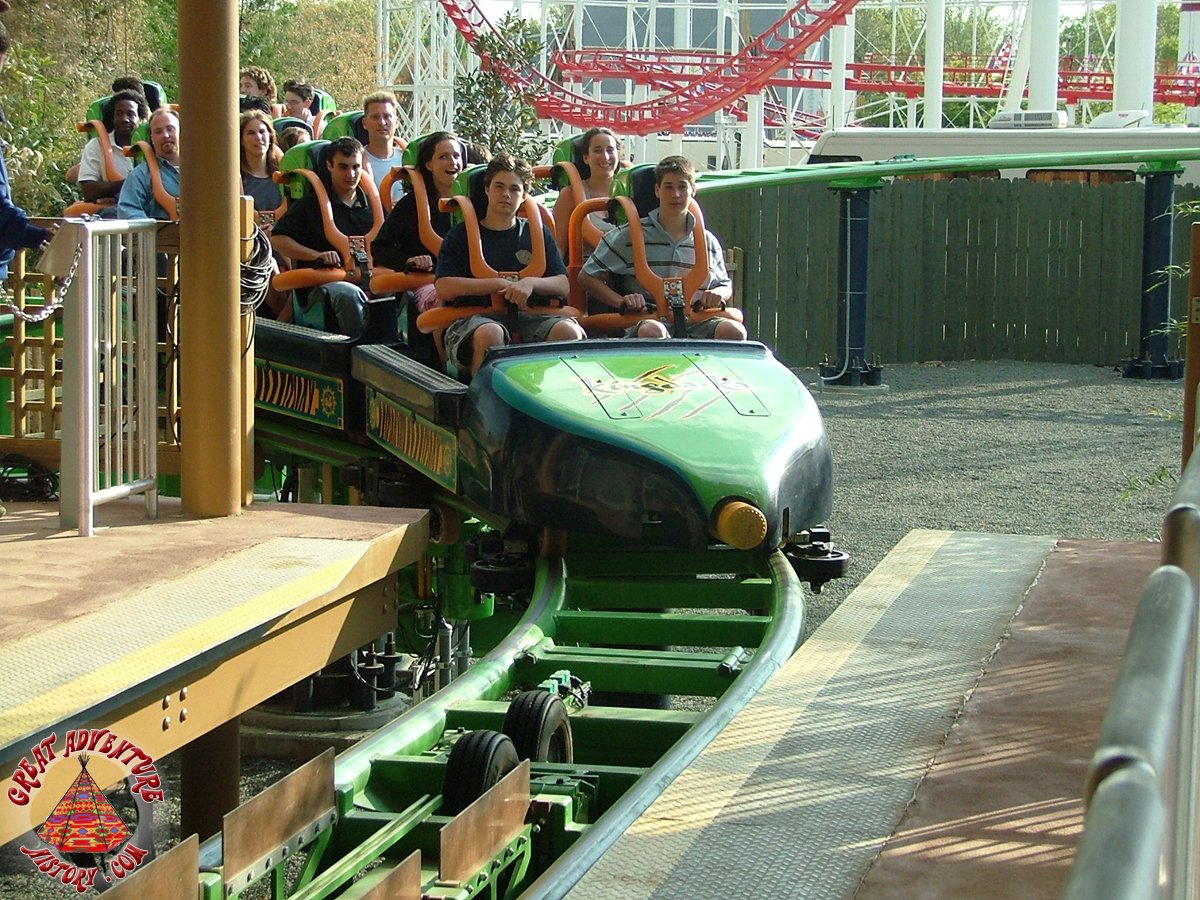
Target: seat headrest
[[637, 183], [348, 124], [155, 95], [566, 150], [141, 132], [95, 109], [321, 100], [409, 157], [309, 155], [470, 183]]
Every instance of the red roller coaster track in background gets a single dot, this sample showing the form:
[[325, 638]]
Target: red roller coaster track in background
[[965, 78], [690, 97], [697, 83]]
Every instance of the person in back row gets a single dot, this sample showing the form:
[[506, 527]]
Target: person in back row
[[293, 135], [148, 89], [398, 246], [121, 114], [255, 81], [300, 236], [297, 100], [608, 274], [137, 199], [379, 121], [507, 243], [601, 158]]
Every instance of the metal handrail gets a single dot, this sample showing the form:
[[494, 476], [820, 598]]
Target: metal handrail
[[1143, 809], [110, 380]]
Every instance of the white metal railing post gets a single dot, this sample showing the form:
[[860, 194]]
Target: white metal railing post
[[110, 377], [147, 366], [79, 405]]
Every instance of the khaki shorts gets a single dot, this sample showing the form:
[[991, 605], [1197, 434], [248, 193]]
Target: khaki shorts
[[703, 329], [531, 327]]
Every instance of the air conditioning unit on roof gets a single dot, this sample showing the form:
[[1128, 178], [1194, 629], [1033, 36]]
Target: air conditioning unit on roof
[[1033, 118]]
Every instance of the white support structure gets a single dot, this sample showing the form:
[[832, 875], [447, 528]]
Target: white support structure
[[752, 144], [935, 58], [841, 53], [1189, 49], [418, 61], [1133, 62], [1043, 54], [110, 385]]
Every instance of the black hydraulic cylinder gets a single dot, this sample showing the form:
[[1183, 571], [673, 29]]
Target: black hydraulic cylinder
[[1153, 359], [852, 367]]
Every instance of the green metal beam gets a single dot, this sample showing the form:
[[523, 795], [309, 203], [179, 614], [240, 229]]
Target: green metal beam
[[665, 563], [309, 444], [637, 671], [867, 174], [653, 629], [634, 593], [344, 870]]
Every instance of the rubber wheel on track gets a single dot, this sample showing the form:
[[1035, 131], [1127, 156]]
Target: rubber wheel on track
[[540, 728], [502, 574], [478, 760]]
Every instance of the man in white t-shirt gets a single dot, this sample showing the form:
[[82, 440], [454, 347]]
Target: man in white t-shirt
[[379, 122], [123, 112]]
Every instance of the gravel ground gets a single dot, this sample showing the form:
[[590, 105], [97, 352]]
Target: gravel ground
[[1001, 447], [1004, 447]]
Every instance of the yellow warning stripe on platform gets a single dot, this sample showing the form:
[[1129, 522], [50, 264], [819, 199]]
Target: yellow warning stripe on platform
[[69, 668], [643, 857]]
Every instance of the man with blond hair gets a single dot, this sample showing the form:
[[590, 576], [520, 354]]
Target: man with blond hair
[[379, 123]]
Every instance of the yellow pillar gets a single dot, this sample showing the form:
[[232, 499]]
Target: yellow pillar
[[208, 236]]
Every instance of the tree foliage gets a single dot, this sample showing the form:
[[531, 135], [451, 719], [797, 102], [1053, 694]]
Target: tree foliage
[[65, 54], [488, 111]]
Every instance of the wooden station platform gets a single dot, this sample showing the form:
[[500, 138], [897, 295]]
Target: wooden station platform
[[164, 630], [929, 740]]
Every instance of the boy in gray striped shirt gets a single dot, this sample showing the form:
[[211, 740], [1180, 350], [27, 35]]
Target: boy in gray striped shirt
[[608, 274]]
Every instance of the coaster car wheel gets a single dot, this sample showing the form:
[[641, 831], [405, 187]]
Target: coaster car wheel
[[540, 728], [502, 573], [478, 760], [815, 559]]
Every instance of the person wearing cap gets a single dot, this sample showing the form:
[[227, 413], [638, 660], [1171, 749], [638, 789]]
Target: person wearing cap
[[16, 231]]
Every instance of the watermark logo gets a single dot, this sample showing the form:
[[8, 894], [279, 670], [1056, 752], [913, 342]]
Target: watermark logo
[[83, 836]]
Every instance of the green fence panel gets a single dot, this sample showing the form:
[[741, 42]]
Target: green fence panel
[[962, 269]]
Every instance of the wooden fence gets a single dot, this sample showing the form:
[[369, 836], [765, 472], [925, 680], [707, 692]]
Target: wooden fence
[[962, 269]]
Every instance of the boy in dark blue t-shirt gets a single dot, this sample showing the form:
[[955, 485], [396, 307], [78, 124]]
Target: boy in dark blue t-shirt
[[507, 247]]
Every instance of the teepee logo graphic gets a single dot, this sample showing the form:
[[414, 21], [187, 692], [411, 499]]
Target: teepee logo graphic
[[84, 821], [85, 841]]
